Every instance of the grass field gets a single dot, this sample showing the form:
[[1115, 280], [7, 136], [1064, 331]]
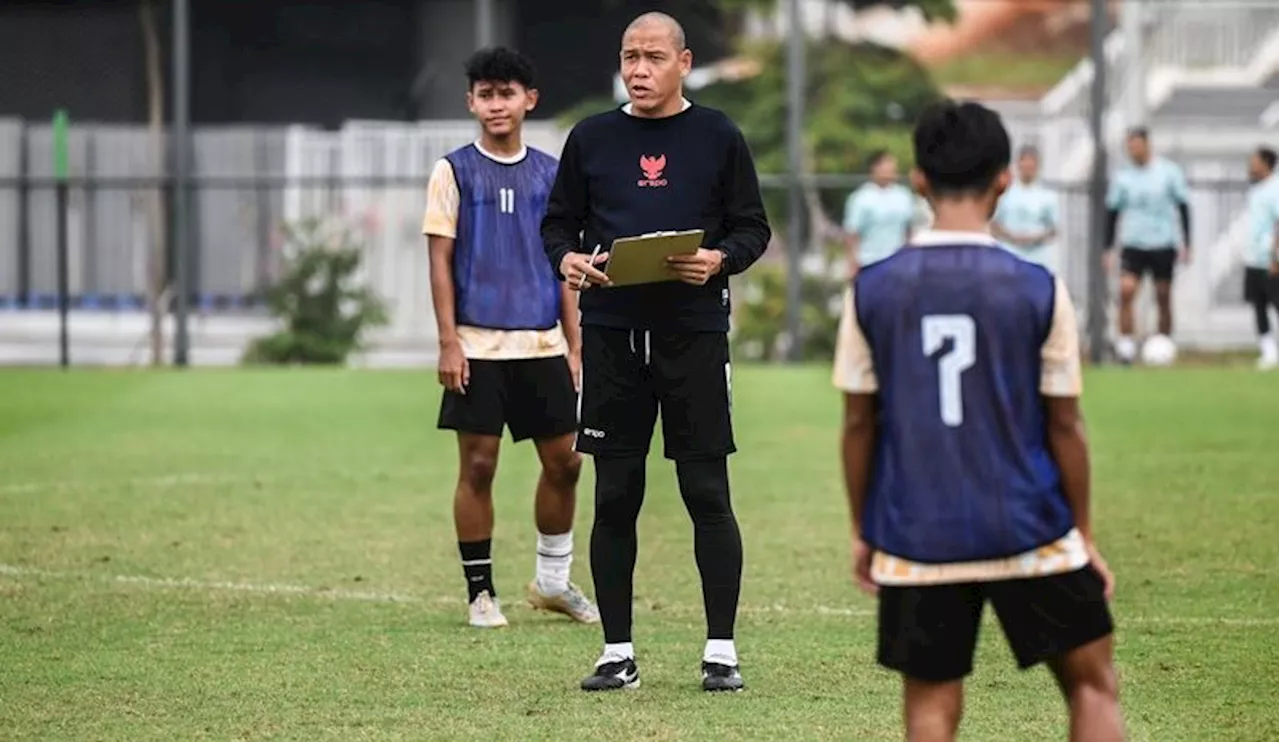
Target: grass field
[[269, 555]]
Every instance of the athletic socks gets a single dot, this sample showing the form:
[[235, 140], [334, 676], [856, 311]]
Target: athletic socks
[[555, 555], [1126, 348], [616, 652], [720, 652], [477, 566]]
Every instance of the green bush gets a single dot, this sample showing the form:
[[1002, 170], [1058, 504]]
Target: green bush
[[760, 315], [323, 310]]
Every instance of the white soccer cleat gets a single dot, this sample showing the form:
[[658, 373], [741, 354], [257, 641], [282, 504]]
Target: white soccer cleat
[[572, 603], [1126, 349], [485, 613]]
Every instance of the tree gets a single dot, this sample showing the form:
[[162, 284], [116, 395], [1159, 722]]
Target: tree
[[858, 99], [933, 10]]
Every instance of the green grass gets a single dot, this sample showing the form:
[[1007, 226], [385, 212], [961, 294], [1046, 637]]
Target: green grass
[[1005, 70], [336, 482]]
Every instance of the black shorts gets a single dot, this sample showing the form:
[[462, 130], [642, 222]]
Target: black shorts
[[1261, 286], [1139, 262], [929, 632], [533, 397], [629, 375]]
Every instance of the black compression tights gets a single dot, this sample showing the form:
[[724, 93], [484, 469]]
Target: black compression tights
[[717, 545]]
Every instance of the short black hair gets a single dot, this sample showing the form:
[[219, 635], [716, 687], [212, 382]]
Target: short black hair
[[1029, 150], [1268, 157], [876, 157], [500, 64], [961, 147], [1140, 132]]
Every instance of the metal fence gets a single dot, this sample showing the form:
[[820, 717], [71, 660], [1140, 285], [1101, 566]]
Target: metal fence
[[250, 182]]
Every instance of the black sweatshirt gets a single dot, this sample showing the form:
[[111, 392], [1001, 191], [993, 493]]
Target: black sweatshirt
[[622, 176]]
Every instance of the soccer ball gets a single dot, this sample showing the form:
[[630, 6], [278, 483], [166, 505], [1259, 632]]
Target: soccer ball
[[1159, 350]]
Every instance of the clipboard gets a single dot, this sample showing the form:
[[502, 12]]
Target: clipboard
[[643, 258]]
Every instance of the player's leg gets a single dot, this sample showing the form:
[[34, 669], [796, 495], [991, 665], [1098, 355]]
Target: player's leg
[[692, 374], [931, 711], [1272, 292], [1133, 264], [542, 405], [1162, 265], [1087, 678], [1063, 620], [1257, 293], [477, 418], [618, 411], [928, 634]]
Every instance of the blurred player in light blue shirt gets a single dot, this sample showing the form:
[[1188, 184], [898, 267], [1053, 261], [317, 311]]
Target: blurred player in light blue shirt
[[1147, 199], [1261, 284], [1026, 219], [878, 216]]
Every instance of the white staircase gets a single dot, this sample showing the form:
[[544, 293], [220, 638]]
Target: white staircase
[[1205, 76]]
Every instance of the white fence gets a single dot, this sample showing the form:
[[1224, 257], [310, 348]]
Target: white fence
[[388, 217], [372, 176]]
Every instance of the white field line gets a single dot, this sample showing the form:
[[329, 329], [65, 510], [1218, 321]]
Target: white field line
[[165, 583], [167, 480]]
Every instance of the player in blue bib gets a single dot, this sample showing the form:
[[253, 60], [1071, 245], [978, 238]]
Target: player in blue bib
[[509, 337], [1026, 219], [1147, 201], [1261, 287], [965, 461], [878, 216]]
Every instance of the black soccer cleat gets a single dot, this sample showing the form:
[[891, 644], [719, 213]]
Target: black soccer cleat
[[621, 675], [717, 677]]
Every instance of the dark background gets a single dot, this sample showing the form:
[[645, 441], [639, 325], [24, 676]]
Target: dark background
[[316, 62]]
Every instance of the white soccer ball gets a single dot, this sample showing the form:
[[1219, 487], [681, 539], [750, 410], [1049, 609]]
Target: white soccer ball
[[1159, 350]]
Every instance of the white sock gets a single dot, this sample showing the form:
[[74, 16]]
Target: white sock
[[616, 653], [1126, 348], [1267, 344], [555, 555], [720, 651]]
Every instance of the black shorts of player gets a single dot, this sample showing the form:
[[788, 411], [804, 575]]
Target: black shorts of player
[[1261, 286], [1159, 263], [533, 397], [928, 632], [629, 375]]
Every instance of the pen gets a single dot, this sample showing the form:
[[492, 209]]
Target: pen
[[583, 281]]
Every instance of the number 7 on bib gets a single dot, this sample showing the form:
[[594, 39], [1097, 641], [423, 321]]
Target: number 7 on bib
[[935, 330]]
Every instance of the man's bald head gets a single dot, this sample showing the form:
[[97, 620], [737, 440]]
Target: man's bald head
[[655, 18], [654, 63]]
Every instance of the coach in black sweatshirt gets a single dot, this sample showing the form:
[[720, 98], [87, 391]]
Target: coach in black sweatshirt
[[659, 163]]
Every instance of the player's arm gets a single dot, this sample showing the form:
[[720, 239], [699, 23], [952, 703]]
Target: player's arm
[[1115, 202], [571, 326], [1182, 196], [852, 228], [1050, 221], [747, 227], [857, 444], [997, 224], [1000, 233], [855, 376], [440, 227], [1274, 266], [566, 215], [1060, 387]]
